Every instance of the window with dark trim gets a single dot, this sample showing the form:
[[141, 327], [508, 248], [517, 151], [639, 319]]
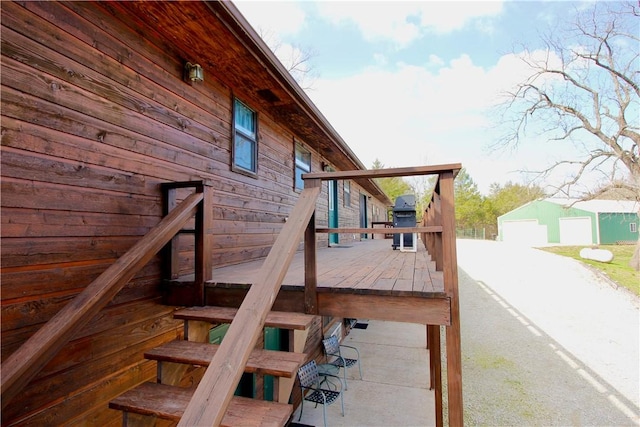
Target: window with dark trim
[[633, 227], [347, 192], [245, 138], [302, 165]]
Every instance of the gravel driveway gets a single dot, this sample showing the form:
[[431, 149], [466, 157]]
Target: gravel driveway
[[545, 341]]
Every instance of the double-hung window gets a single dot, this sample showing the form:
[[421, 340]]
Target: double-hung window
[[245, 138], [303, 165], [347, 192]]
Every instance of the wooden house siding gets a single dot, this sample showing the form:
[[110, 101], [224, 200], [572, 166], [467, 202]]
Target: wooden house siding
[[95, 115]]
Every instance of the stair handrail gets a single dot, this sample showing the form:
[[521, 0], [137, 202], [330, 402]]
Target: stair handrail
[[41, 347], [212, 396]]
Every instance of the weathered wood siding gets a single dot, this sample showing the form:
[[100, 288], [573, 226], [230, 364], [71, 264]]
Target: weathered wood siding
[[95, 115]]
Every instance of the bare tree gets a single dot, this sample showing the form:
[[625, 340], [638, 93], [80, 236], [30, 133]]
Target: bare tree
[[584, 90], [298, 60]]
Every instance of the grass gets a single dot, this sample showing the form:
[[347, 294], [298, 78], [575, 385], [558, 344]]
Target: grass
[[617, 270]]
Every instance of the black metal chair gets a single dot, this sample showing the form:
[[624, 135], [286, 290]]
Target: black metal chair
[[310, 383], [334, 356]]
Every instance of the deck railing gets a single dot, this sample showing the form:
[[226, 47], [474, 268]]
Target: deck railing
[[438, 233], [212, 396], [25, 363]]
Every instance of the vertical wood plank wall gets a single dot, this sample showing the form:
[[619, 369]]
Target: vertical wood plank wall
[[94, 118]]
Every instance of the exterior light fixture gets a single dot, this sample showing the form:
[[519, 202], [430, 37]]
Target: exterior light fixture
[[193, 72]]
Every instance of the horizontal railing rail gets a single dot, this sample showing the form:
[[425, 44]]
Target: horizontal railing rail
[[385, 173], [401, 230], [25, 363]]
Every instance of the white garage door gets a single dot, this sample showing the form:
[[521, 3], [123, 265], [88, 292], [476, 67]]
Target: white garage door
[[526, 232], [575, 231]]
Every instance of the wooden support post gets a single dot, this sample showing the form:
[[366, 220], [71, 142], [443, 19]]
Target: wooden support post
[[172, 373], [450, 275], [203, 243], [427, 337], [310, 268], [438, 253], [197, 331], [310, 262], [297, 341], [131, 419], [435, 370], [170, 251]]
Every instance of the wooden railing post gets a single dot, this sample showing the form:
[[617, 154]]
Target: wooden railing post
[[203, 242], [310, 261], [202, 233], [170, 251], [435, 369], [438, 237], [310, 269], [450, 275]]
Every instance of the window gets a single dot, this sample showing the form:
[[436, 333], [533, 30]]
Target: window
[[347, 192], [303, 165], [245, 140], [633, 227]]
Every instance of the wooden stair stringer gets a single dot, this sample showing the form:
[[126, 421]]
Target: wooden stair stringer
[[145, 404], [212, 396]]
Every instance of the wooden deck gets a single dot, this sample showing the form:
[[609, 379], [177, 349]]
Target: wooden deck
[[368, 266], [361, 275]]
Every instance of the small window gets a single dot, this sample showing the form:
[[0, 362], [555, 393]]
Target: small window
[[245, 140], [633, 227], [303, 165], [347, 193]]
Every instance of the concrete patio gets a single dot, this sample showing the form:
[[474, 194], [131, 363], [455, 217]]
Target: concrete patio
[[394, 390]]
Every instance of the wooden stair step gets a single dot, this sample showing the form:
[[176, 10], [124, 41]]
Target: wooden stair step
[[265, 362], [275, 319], [169, 403]]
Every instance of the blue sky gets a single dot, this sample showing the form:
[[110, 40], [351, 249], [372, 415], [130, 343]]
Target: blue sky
[[414, 83]]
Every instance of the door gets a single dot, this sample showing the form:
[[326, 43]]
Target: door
[[575, 231], [333, 210], [247, 384], [274, 339], [363, 214], [525, 232]]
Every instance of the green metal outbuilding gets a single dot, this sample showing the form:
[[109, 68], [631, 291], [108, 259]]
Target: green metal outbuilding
[[569, 222]]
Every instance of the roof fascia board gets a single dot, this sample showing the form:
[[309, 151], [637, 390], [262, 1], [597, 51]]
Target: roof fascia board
[[263, 54]]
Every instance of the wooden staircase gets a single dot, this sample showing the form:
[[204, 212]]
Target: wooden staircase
[[165, 400]]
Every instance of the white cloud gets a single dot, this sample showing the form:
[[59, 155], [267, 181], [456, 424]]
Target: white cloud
[[448, 16], [374, 20], [412, 113], [403, 22], [285, 17], [380, 59], [407, 115], [435, 60]]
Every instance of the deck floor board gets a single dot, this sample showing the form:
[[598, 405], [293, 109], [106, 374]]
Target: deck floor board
[[363, 266]]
